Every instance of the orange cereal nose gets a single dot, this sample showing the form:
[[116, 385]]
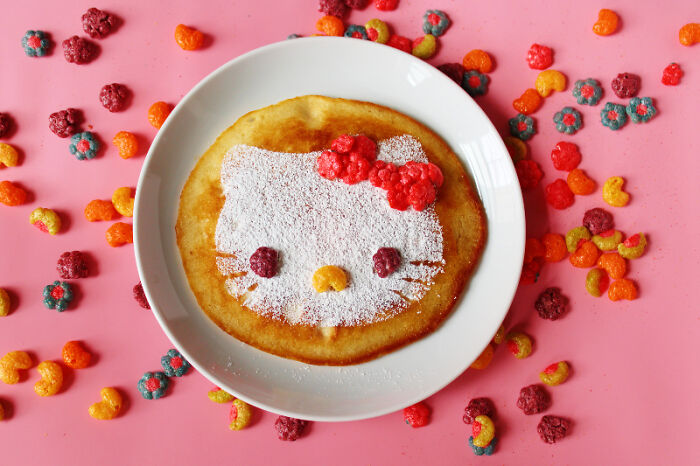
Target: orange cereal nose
[[157, 113], [118, 234], [188, 38]]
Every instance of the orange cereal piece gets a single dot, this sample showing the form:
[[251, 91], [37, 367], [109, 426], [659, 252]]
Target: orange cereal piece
[[51, 378], [11, 194], [157, 113], [586, 254], [188, 38], [330, 26], [554, 247], [477, 60], [579, 183], [98, 209], [11, 363], [123, 201], [484, 359], [109, 407], [119, 233], [689, 34], [126, 143], [75, 356], [614, 264], [533, 249], [516, 148], [622, 289], [528, 103], [9, 157], [607, 22]]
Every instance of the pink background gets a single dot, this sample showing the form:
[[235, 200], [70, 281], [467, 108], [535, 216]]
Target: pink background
[[632, 394]]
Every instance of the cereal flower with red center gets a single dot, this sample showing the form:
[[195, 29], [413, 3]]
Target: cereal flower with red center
[[84, 145], [153, 385], [435, 22], [355, 31], [522, 126], [174, 364], [475, 83], [640, 110], [588, 91], [480, 451], [568, 120], [613, 116], [58, 295], [36, 43]]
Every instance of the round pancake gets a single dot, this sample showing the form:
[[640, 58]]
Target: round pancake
[[305, 124]]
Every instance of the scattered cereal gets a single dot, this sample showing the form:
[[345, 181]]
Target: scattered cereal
[[329, 276], [588, 91], [622, 289], [529, 173], [153, 385], [424, 47], [330, 25], [9, 156], [480, 451], [614, 116], [539, 57], [217, 395], [613, 194], [58, 295], [477, 60], [332, 7], [355, 31], [475, 83], [519, 344], [109, 407], [79, 51], [126, 143], [5, 302], [484, 359], [607, 240], [36, 43], [123, 201], [399, 42], [516, 148], [417, 415], [140, 296], [606, 24], [597, 220], [552, 428], [550, 80], [533, 399], [585, 255], [11, 364], [640, 110], [559, 195], [386, 5], [239, 415], [554, 247], [66, 122], [45, 220], [574, 237], [6, 124], [114, 97], [551, 304], [626, 85], [568, 120], [377, 31], [522, 126], [596, 282], [435, 22], [119, 233], [555, 374], [84, 145], [565, 156], [97, 23], [478, 407], [633, 247], [528, 102], [580, 183], [11, 194], [157, 113], [98, 210], [188, 38], [289, 428], [174, 364], [689, 34], [51, 378]]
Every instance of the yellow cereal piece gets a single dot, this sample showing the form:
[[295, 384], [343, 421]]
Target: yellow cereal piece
[[425, 48], [575, 235], [51, 378], [109, 407], [633, 247], [220, 396], [550, 80], [500, 335], [11, 363], [329, 276], [555, 374], [8, 155], [486, 431], [519, 344], [613, 193], [484, 359], [380, 28], [4, 303], [239, 416], [123, 201], [46, 220]]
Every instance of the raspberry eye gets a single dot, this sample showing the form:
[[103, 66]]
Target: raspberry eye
[[386, 261]]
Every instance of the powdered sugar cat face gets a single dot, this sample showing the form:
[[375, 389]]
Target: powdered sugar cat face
[[279, 201]]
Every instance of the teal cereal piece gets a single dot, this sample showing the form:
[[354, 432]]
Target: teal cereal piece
[[355, 31], [36, 43], [153, 385], [640, 109], [521, 126], [58, 295], [587, 91], [613, 116], [84, 145], [435, 22], [174, 364], [475, 83], [568, 120], [481, 451]]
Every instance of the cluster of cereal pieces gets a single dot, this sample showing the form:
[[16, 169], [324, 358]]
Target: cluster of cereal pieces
[[154, 385], [74, 356], [122, 203], [11, 193], [59, 294]]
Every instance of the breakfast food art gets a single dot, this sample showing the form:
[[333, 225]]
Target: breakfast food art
[[329, 231]]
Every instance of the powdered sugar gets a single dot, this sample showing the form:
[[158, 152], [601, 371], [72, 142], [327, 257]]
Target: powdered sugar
[[278, 200]]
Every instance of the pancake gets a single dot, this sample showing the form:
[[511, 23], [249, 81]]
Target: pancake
[[327, 328]]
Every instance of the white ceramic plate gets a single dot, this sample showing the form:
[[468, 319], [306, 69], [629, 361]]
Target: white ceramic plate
[[352, 69]]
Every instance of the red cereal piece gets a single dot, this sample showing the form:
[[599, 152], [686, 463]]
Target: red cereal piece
[[672, 75], [598, 220], [11, 194], [356, 4], [417, 415], [289, 428], [566, 156], [386, 5], [399, 42], [455, 71], [6, 124], [332, 7], [533, 399], [140, 296], [114, 97], [558, 194], [72, 265], [75, 355], [98, 24], [626, 85], [531, 271], [529, 173], [65, 123], [79, 50], [533, 249], [553, 428], [539, 57], [528, 102], [551, 304], [478, 407], [555, 247], [188, 38]]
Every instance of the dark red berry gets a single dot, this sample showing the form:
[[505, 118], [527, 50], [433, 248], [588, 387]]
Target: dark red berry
[[332, 7], [6, 124], [551, 304], [529, 173], [533, 399], [565, 156], [264, 262], [72, 265], [289, 428], [478, 407], [386, 261], [626, 85], [417, 415], [598, 220], [553, 428], [140, 296], [356, 4], [539, 57], [114, 97], [455, 71], [79, 50], [97, 23], [65, 123]]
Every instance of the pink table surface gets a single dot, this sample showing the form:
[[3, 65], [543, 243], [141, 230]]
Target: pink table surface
[[632, 394]]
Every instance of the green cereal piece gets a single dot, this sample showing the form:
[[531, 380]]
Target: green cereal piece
[[575, 235], [596, 282], [633, 247], [608, 243]]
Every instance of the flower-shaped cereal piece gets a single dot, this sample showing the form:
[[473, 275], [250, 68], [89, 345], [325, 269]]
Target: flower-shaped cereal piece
[[435, 22], [58, 295], [568, 120], [640, 109], [480, 451], [356, 31], [153, 385], [174, 364], [475, 83], [613, 116], [36, 43], [521, 126], [587, 91], [84, 145]]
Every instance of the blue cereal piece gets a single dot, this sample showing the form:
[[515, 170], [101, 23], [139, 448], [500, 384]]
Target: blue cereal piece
[[613, 116], [36, 43], [174, 364], [568, 120], [475, 83], [640, 109], [84, 145], [480, 451], [355, 31], [58, 295], [587, 91], [435, 22], [153, 385], [522, 127]]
